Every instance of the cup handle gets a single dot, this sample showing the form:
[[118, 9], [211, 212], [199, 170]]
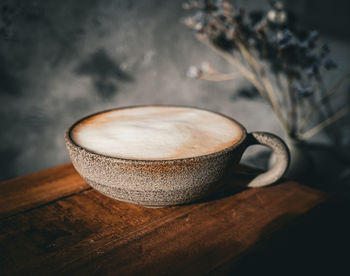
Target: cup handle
[[282, 158]]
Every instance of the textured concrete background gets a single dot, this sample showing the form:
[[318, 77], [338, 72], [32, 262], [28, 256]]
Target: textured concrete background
[[64, 60]]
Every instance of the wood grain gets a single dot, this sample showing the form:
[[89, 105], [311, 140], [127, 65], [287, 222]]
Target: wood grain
[[76, 230], [23, 193]]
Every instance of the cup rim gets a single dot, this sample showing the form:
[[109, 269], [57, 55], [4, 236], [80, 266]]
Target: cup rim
[[69, 139]]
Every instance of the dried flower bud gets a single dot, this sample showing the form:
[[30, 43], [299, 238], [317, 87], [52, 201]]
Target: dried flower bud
[[330, 64], [306, 92], [303, 45], [227, 7], [324, 51], [278, 6], [311, 70], [190, 5], [194, 72], [189, 22], [199, 26], [207, 68], [301, 91], [285, 39], [310, 55], [230, 34], [277, 17], [313, 35]]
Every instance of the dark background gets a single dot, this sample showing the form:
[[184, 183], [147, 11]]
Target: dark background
[[61, 60]]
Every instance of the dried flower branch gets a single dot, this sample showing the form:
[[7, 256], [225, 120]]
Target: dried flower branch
[[311, 132], [285, 64], [206, 72]]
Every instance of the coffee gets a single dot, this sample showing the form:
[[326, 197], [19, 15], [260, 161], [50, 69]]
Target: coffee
[[156, 133]]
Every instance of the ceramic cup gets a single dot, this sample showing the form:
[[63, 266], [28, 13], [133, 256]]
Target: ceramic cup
[[160, 183]]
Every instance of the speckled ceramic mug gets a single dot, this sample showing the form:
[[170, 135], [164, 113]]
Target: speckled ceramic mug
[[160, 183]]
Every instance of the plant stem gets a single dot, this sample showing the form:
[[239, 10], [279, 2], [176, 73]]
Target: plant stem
[[264, 89], [311, 132], [219, 77], [260, 72], [246, 73], [293, 113], [285, 97], [323, 100]]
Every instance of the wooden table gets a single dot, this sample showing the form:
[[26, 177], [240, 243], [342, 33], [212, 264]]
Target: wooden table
[[53, 222]]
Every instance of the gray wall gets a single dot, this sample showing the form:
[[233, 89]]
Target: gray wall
[[61, 60]]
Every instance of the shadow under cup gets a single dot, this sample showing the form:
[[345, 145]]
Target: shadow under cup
[[160, 183]]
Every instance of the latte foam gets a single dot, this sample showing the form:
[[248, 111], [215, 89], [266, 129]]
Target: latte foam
[[156, 133]]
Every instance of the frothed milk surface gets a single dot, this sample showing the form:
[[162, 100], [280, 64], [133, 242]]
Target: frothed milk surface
[[156, 133]]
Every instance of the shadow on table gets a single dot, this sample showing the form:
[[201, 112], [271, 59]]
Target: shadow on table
[[317, 242], [235, 182]]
